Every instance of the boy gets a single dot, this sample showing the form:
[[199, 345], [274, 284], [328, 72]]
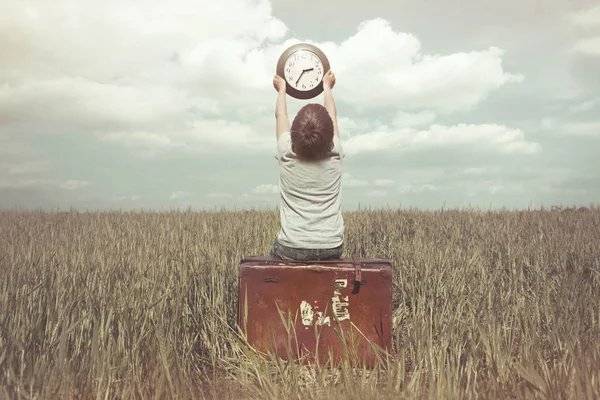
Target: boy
[[310, 156]]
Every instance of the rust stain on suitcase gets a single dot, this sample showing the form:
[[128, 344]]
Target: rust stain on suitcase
[[318, 296]]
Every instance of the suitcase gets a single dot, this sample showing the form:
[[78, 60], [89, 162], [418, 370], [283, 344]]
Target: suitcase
[[340, 308]]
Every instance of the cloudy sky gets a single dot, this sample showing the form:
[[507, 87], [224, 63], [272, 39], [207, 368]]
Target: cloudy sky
[[153, 104]]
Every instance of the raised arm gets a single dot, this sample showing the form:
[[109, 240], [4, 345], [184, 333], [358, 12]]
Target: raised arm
[[281, 114], [328, 84]]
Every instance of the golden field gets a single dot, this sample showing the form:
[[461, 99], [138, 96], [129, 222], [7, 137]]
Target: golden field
[[487, 304]]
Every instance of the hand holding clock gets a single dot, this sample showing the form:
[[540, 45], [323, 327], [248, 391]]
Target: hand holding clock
[[329, 80], [278, 83]]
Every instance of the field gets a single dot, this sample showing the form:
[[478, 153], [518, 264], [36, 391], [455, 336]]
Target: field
[[487, 304]]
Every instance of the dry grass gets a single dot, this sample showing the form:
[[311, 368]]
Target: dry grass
[[143, 305]]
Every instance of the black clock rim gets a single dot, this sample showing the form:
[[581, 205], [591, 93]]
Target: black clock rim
[[298, 94]]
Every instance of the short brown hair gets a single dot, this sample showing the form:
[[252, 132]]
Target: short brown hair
[[312, 132]]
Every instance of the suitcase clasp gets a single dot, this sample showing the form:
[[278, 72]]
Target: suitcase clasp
[[357, 272], [357, 275]]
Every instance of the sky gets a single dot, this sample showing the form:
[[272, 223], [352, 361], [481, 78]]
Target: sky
[[161, 105]]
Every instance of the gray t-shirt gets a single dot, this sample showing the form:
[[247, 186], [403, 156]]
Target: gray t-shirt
[[310, 198]]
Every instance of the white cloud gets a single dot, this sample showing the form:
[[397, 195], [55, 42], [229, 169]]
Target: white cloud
[[376, 193], [189, 56], [266, 189], [200, 76], [589, 46], [591, 128], [10, 147], [404, 119], [586, 105], [348, 181], [208, 135], [408, 77], [483, 186], [24, 167], [140, 139], [134, 197], [74, 184], [87, 104], [22, 182], [160, 33], [259, 198], [18, 173], [417, 188], [384, 182], [349, 127], [221, 132], [180, 194], [575, 128], [218, 195], [565, 191], [198, 136], [493, 189], [355, 183], [491, 136], [549, 124], [587, 18], [478, 170]]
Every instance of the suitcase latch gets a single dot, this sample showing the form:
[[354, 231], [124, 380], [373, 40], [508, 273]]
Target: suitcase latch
[[357, 275], [357, 271]]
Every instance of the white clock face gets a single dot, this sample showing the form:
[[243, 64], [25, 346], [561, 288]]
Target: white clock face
[[303, 70]]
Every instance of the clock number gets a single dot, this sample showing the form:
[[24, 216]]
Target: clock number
[[287, 70], [303, 86], [312, 85]]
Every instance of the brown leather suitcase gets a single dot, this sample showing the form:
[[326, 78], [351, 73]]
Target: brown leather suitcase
[[333, 305]]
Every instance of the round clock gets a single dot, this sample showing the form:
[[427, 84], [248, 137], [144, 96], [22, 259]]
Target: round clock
[[303, 67]]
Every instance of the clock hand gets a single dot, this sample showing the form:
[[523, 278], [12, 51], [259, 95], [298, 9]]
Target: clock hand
[[294, 70], [303, 71]]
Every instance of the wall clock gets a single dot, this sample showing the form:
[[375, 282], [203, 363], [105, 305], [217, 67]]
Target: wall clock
[[303, 67]]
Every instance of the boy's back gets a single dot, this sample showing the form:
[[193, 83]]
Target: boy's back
[[310, 197]]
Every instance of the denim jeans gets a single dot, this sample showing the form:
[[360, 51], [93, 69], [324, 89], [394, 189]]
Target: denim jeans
[[290, 253]]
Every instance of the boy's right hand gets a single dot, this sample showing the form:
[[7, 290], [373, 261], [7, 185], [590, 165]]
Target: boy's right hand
[[329, 80], [279, 83]]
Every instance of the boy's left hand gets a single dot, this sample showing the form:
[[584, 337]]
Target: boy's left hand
[[278, 83], [329, 80]]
